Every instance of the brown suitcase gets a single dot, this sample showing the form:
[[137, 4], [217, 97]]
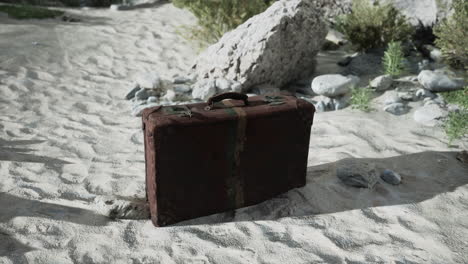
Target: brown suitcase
[[212, 157]]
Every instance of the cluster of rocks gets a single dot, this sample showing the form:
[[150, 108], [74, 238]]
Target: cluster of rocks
[[333, 93], [151, 90]]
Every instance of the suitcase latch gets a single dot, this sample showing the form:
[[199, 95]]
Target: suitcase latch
[[180, 110], [274, 100]]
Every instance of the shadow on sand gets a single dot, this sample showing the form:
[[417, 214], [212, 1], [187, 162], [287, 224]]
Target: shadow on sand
[[15, 151], [425, 175], [13, 206]]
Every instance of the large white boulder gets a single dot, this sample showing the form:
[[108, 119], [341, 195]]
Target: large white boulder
[[275, 47], [333, 85]]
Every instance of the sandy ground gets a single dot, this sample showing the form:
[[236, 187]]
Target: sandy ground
[[67, 139]]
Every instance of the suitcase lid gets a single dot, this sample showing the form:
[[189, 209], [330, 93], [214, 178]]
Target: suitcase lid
[[225, 107]]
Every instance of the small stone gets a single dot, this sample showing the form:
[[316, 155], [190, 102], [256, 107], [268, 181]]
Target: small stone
[[152, 99], [169, 96], [391, 177], [428, 115], [130, 95], [436, 55], [333, 85], [406, 96], [223, 84], [142, 94], [182, 88], [382, 83], [423, 65], [423, 93], [390, 97], [341, 102], [396, 109], [439, 82], [323, 103], [148, 80], [181, 80], [320, 107], [357, 173], [204, 89]]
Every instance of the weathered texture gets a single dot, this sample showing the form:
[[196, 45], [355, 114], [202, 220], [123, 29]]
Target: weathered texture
[[275, 47]]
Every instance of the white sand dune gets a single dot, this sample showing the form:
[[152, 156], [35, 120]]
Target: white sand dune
[[67, 139]]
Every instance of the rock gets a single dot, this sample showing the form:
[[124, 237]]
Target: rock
[[407, 96], [204, 89], [182, 88], [152, 99], [275, 47], [169, 96], [428, 115], [436, 55], [148, 80], [336, 37], [142, 94], [181, 80], [436, 81], [266, 90], [333, 85], [357, 173], [323, 103], [391, 177], [132, 92], [341, 102], [424, 65], [423, 93], [382, 83], [236, 87], [396, 109], [390, 97], [223, 85]]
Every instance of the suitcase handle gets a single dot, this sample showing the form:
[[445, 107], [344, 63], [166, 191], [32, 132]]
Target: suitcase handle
[[231, 95]]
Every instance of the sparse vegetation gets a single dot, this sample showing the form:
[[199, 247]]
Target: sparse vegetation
[[456, 124], [452, 35], [372, 26], [29, 12], [217, 17], [393, 59], [360, 98]]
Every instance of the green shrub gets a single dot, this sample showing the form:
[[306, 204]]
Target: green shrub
[[452, 35], [456, 124], [372, 26], [360, 98], [393, 59], [29, 12], [216, 17]]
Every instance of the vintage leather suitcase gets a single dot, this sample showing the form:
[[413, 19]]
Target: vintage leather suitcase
[[230, 152]]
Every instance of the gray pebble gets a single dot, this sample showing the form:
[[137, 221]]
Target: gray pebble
[[132, 93], [152, 99], [142, 94], [391, 177]]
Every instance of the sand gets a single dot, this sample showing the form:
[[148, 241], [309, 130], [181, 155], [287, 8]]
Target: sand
[[68, 141]]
